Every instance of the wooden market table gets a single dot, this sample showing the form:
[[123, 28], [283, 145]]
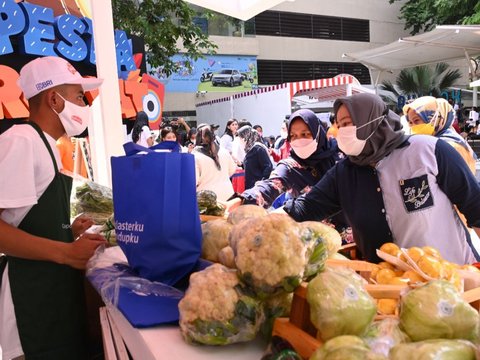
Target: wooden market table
[[164, 342]]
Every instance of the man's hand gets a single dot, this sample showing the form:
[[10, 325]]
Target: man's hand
[[80, 224], [80, 251]]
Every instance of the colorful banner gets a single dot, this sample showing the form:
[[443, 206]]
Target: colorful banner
[[220, 73]]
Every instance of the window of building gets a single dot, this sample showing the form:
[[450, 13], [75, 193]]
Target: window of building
[[277, 23], [276, 72]]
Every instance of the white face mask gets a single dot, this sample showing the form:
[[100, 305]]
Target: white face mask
[[304, 147], [348, 141], [73, 117]]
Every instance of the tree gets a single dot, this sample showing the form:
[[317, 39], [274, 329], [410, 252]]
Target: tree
[[420, 81], [424, 15], [161, 23]]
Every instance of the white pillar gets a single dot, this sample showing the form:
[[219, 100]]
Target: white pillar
[[106, 132]]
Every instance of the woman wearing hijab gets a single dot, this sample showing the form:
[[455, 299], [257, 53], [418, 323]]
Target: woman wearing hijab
[[431, 116], [311, 156], [213, 164], [257, 163], [392, 187], [141, 133]]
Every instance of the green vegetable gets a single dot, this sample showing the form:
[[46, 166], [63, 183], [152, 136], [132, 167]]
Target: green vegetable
[[93, 200], [437, 311], [339, 303], [436, 349], [274, 307], [345, 347], [382, 335], [206, 199]]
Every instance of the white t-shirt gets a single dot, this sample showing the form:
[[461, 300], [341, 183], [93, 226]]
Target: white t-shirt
[[210, 178], [144, 136], [226, 142], [31, 171]]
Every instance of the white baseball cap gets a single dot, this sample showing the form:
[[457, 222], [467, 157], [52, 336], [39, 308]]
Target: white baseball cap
[[46, 72]]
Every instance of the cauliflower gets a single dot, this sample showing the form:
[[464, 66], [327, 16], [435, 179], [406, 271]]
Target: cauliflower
[[276, 306], [269, 254], [226, 257], [215, 311], [246, 212], [215, 237]]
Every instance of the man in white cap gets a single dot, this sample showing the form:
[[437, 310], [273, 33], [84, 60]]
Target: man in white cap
[[42, 312]]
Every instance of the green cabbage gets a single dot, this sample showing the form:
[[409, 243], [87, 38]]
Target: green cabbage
[[437, 311], [339, 303], [382, 335], [345, 347], [437, 349]]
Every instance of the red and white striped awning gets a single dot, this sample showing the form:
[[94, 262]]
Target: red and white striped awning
[[324, 89]]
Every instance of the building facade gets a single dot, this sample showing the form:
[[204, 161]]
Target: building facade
[[301, 40]]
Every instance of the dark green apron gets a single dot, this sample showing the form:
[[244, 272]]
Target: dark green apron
[[48, 298]]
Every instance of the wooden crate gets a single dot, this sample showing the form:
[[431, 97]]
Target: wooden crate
[[303, 336]]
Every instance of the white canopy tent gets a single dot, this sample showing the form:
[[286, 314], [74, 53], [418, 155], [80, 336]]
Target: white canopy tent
[[444, 43], [240, 9]]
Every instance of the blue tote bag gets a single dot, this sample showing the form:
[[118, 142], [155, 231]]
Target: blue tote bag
[[157, 222]]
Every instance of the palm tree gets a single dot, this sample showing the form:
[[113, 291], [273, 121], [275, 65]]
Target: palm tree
[[420, 81]]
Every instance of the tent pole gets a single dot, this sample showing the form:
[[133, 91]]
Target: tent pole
[[473, 78]]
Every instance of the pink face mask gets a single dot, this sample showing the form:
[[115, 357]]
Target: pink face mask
[[304, 147]]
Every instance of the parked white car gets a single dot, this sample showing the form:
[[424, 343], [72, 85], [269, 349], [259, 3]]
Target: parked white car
[[228, 77]]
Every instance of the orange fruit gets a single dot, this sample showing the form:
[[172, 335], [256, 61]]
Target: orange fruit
[[385, 265], [384, 276], [387, 306], [430, 250], [397, 280], [431, 266], [415, 253], [373, 273], [448, 269], [413, 277], [390, 248]]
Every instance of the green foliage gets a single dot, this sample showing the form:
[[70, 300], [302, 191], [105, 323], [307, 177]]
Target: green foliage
[[420, 81], [165, 25], [424, 15]]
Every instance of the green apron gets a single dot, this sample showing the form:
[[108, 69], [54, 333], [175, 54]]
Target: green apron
[[48, 298]]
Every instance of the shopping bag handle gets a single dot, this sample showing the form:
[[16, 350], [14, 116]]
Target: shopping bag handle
[[132, 148], [167, 145]]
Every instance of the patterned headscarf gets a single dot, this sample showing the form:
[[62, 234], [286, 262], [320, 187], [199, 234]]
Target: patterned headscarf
[[439, 113], [250, 136], [387, 133], [205, 143]]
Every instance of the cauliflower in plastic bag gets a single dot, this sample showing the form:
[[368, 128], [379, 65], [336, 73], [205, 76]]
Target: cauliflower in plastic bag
[[437, 311], [215, 237], [269, 254], [339, 303], [345, 347], [319, 239], [227, 258], [276, 306], [215, 311], [246, 212], [436, 349], [382, 335]]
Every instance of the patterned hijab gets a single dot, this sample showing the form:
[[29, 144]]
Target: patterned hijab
[[439, 113], [387, 133], [205, 143], [250, 136]]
